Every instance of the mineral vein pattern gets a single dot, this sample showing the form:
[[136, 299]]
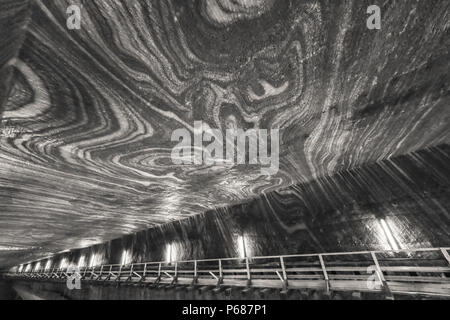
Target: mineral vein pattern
[[87, 116]]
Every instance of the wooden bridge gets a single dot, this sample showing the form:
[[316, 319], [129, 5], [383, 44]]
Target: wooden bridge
[[410, 272]]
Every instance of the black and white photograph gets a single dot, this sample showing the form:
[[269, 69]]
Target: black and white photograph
[[220, 155]]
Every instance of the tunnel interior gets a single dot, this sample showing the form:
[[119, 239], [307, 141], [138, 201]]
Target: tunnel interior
[[88, 114]]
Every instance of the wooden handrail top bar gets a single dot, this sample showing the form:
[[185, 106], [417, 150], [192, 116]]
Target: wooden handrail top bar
[[171, 265]]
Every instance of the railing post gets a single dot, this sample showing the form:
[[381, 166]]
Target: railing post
[[110, 272], [446, 255], [285, 279], [195, 280], [130, 277], [159, 273], [175, 278], [249, 276], [381, 276], [220, 281], [145, 272], [120, 273], [325, 273], [195, 268]]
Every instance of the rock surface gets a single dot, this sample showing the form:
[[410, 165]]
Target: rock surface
[[88, 115]]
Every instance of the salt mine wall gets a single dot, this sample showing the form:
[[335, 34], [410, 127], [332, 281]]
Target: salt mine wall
[[338, 213], [12, 20], [89, 118]]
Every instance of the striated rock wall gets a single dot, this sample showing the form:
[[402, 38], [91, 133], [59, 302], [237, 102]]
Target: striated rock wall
[[92, 111], [342, 212], [14, 16]]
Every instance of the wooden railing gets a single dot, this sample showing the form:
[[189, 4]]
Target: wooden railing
[[415, 271]]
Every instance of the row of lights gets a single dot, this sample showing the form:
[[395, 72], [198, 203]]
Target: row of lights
[[243, 249], [387, 239], [95, 260], [171, 255]]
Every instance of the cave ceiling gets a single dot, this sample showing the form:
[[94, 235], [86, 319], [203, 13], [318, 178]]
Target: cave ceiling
[[88, 114]]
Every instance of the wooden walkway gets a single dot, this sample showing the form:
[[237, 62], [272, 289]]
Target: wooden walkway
[[415, 272]]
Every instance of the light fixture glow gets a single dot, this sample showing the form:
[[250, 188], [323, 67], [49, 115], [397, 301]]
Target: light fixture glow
[[171, 253], [82, 262], [48, 264], [92, 260], [95, 260], [242, 249], [126, 257], [389, 235], [37, 267], [63, 264]]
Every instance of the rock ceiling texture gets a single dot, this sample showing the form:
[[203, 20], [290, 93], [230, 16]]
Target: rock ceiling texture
[[87, 115]]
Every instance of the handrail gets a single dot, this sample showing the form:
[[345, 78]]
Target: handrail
[[282, 271], [261, 257], [271, 257]]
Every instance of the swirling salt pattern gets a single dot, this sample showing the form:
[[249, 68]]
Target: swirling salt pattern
[[91, 156]]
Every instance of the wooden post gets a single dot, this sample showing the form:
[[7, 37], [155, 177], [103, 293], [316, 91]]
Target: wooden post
[[145, 272], [159, 273], [377, 266], [388, 292], [194, 281], [120, 272], [131, 272], [283, 268], [249, 276], [176, 273], [325, 273], [220, 281], [446, 255]]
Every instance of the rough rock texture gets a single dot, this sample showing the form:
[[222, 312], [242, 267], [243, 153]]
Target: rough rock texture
[[14, 15], [311, 217], [88, 120]]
